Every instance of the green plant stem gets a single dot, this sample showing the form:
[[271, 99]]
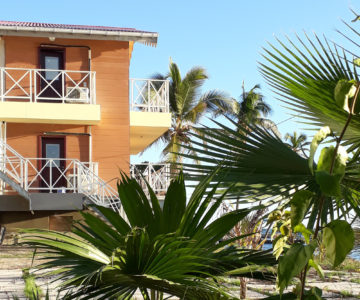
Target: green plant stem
[[303, 280], [322, 197]]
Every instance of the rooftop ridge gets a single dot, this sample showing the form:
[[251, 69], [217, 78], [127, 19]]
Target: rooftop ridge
[[69, 26]]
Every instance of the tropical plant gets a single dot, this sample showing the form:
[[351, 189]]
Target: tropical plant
[[251, 108], [178, 249], [322, 87], [31, 290], [187, 106], [251, 226], [296, 142]]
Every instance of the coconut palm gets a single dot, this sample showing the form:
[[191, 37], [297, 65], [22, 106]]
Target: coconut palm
[[251, 108], [178, 249], [296, 143], [305, 74], [187, 106], [262, 167]]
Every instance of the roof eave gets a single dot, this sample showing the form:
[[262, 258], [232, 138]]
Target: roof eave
[[142, 37]]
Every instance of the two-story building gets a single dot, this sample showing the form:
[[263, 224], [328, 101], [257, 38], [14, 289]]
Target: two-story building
[[70, 118]]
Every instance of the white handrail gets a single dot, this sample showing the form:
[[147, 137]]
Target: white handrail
[[46, 174], [31, 85], [149, 95], [156, 174]]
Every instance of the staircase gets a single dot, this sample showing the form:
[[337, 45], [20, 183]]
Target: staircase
[[24, 174]]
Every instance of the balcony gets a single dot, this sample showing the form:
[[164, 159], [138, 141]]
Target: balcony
[[38, 96], [68, 180], [61, 184], [157, 175], [150, 116]]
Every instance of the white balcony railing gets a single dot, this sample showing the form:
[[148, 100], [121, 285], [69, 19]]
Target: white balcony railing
[[40, 85], [157, 176], [149, 95], [57, 176]]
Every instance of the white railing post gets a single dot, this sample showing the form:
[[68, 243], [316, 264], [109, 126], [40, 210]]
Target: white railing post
[[30, 85], [26, 174], [150, 179], [63, 86], [22, 179], [50, 175], [78, 178], [74, 177], [148, 95], [35, 86], [93, 88], [2, 85], [167, 99]]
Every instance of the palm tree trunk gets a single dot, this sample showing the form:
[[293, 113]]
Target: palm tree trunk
[[243, 288]]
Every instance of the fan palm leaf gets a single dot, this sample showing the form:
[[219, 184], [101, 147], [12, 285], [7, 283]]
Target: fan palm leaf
[[262, 168], [174, 249], [305, 77], [255, 160]]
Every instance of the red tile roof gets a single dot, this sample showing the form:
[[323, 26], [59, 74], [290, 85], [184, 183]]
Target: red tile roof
[[67, 26]]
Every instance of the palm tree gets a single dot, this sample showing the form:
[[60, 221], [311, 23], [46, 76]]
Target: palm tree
[[251, 108], [265, 169], [178, 249], [187, 107], [296, 143]]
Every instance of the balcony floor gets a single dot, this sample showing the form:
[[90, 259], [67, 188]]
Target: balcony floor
[[52, 113], [145, 127], [42, 201]]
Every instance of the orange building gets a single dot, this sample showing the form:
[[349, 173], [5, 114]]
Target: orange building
[[70, 119]]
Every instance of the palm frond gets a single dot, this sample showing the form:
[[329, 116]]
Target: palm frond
[[188, 92], [174, 249], [305, 78], [254, 159]]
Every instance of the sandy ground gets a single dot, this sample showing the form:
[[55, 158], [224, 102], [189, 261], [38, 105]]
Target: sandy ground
[[335, 285]]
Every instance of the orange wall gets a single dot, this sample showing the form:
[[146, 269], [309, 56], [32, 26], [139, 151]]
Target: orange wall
[[110, 60]]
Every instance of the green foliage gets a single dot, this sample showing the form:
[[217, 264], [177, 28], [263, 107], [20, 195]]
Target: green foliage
[[320, 86], [281, 231], [300, 228], [252, 109], [331, 170], [322, 134], [279, 244], [293, 262], [174, 250], [313, 294], [32, 291], [254, 161], [187, 107], [338, 239], [299, 204], [326, 157], [296, 142], [344, 90], [317, 267], [329, 184], [305, 75]]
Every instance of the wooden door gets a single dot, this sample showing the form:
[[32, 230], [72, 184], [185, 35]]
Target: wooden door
[[51, 82], [53, 163]]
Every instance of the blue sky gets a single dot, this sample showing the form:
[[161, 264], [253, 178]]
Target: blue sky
[[225, 37]]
